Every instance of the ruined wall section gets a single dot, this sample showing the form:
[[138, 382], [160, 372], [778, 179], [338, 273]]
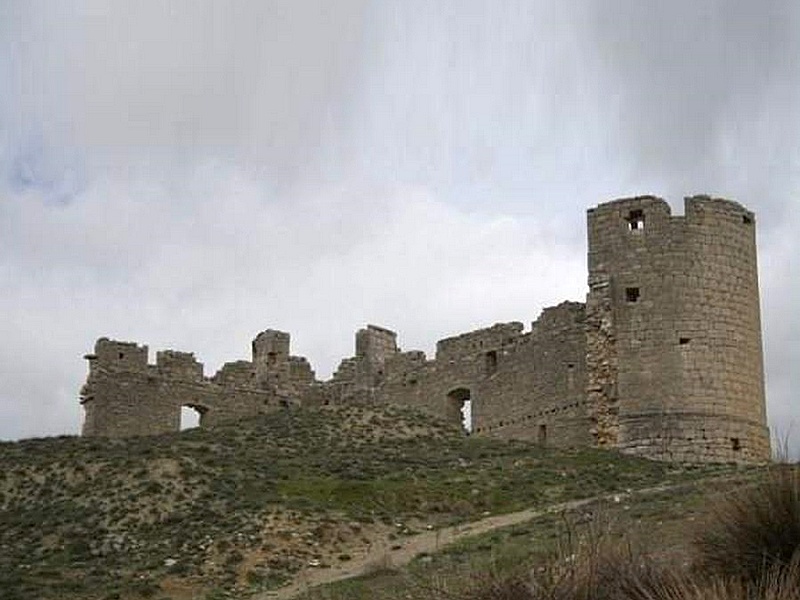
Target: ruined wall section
[[442, 385], [118, 396], [462, 366], [538, 390], [684, 339], [602, 369], [126, 396], [519, 385], [357, 377]]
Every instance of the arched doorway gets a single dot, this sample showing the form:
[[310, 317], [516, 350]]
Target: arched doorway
[[459, 407], [192, 416]]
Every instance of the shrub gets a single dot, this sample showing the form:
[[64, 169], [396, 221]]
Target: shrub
[[755, 532]]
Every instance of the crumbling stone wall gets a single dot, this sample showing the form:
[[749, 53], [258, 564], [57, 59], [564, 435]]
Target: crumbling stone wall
[[124, 395], [663, 360]]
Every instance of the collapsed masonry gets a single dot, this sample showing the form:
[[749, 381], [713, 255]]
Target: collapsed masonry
[[663, 360]]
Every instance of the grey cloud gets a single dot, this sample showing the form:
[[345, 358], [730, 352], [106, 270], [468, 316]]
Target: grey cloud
[[701, 90], [251, 81], [187, 173]]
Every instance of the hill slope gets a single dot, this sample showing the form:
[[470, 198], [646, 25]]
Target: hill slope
[[248, 505]]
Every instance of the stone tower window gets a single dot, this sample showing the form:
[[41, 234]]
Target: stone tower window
[[635, 220], [632, 294], [747, 219], [684, 340], [735, 444]]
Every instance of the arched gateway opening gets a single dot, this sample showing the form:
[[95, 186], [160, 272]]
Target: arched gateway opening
[[192, 416], [459, 407]]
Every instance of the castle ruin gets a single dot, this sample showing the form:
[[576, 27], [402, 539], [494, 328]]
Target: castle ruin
[[663, 360]]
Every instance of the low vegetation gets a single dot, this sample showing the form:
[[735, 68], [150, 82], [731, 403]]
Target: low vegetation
[[738, 539], [244, 507]]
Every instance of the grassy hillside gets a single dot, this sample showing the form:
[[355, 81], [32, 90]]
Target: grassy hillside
[[730, 538], [245, 507]]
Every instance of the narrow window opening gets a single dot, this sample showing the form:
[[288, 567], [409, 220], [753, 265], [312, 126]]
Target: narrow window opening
[[541, 436], [121, 355], [491, 362], [747, 219], [459, 407], [632, 294], [684, 340], [466, 415], [191, 418], [635, 220], [735, 444]]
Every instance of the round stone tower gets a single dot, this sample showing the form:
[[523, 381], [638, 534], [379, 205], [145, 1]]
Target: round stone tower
[[674, 331]]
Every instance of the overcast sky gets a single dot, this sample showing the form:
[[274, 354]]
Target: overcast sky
[[188, 173]]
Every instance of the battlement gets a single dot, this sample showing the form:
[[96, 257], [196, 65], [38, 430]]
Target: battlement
[[556, 318], [489, 338], [270, 346], [376, 343], [703, 204], [112, 354], [663, 359], [240, 373], [181, 365]]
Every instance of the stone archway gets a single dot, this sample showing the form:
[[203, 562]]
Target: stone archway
[[459, 407], [192, 416]]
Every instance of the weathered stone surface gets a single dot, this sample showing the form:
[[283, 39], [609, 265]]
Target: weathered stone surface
[[664, 360]]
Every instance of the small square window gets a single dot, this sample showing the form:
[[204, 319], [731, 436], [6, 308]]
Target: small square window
[[684, 340], [632, 294], [747, 219]]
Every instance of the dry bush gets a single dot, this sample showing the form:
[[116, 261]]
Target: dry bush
[[591, 570], [776, 584], [614, 575], [754, 533]]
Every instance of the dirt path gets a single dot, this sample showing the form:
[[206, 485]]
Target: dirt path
[[396, 553]]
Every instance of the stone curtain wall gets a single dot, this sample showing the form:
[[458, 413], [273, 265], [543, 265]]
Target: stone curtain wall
[[664, 360]]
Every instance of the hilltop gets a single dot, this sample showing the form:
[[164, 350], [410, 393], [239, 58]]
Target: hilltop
[[247, 506]]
